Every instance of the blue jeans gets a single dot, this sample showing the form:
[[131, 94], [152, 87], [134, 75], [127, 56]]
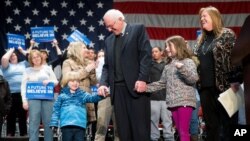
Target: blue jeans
[[73, 133], [38, 109], [194, 123]]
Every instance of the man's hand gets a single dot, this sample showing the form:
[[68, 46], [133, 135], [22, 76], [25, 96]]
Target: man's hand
[[103, 91], [140, 86]]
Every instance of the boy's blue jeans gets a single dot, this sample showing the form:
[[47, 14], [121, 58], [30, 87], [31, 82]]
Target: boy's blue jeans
[[73, 133]]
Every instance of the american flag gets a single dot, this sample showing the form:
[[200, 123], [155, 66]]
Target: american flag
[[64, 15], [162, 18]]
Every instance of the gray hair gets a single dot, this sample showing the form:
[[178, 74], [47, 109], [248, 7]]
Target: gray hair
[[115, 14]]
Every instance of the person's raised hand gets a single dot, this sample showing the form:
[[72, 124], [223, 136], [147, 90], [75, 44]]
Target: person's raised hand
[[90, 66]]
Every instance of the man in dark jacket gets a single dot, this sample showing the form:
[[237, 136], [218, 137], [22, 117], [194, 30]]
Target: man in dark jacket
[[125, 71], [241, 55]]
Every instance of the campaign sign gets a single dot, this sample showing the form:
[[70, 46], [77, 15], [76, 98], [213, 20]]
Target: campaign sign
[[93, 89], [198, 33], [36, 90], [15, 40], [42, 34], [78, 36]]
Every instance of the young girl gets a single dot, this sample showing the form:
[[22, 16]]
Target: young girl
[[159, 109], [70, 108], [179, 77]]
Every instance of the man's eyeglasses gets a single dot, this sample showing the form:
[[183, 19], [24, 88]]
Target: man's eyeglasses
[[109, 27]]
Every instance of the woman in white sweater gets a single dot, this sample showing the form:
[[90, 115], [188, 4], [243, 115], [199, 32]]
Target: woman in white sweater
[[38, 108]]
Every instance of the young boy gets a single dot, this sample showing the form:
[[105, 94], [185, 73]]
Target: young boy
[[70, 108]]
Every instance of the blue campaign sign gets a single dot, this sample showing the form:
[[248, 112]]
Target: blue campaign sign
[[198, 33], [78, 36], [93, 89], [15, 40], [43, 34], [36, 90]]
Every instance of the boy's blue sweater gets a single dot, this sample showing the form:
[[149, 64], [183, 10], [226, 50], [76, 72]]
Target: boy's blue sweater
[[69, 108]]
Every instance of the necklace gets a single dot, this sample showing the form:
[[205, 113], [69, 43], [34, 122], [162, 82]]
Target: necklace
[[206, 48]]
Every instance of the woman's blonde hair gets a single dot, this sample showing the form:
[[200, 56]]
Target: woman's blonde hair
[[75, 51], [31, 54], [72, 75], [217, 21]]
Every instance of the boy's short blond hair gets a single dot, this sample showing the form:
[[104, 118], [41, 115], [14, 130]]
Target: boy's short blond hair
[[72, 75]]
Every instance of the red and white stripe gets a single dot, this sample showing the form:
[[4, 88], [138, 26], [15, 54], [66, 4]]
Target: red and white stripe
[[164, 18]]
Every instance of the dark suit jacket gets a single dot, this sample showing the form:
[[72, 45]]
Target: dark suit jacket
[[241, 51], [241, 55], [135, 58]]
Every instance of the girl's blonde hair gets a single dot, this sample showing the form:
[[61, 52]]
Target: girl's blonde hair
[[182, 50], [75, 51], [217, 22], [72, 75], [31, 54]]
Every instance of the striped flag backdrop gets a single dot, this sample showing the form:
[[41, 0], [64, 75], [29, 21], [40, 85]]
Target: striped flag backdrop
[[162, 18]]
